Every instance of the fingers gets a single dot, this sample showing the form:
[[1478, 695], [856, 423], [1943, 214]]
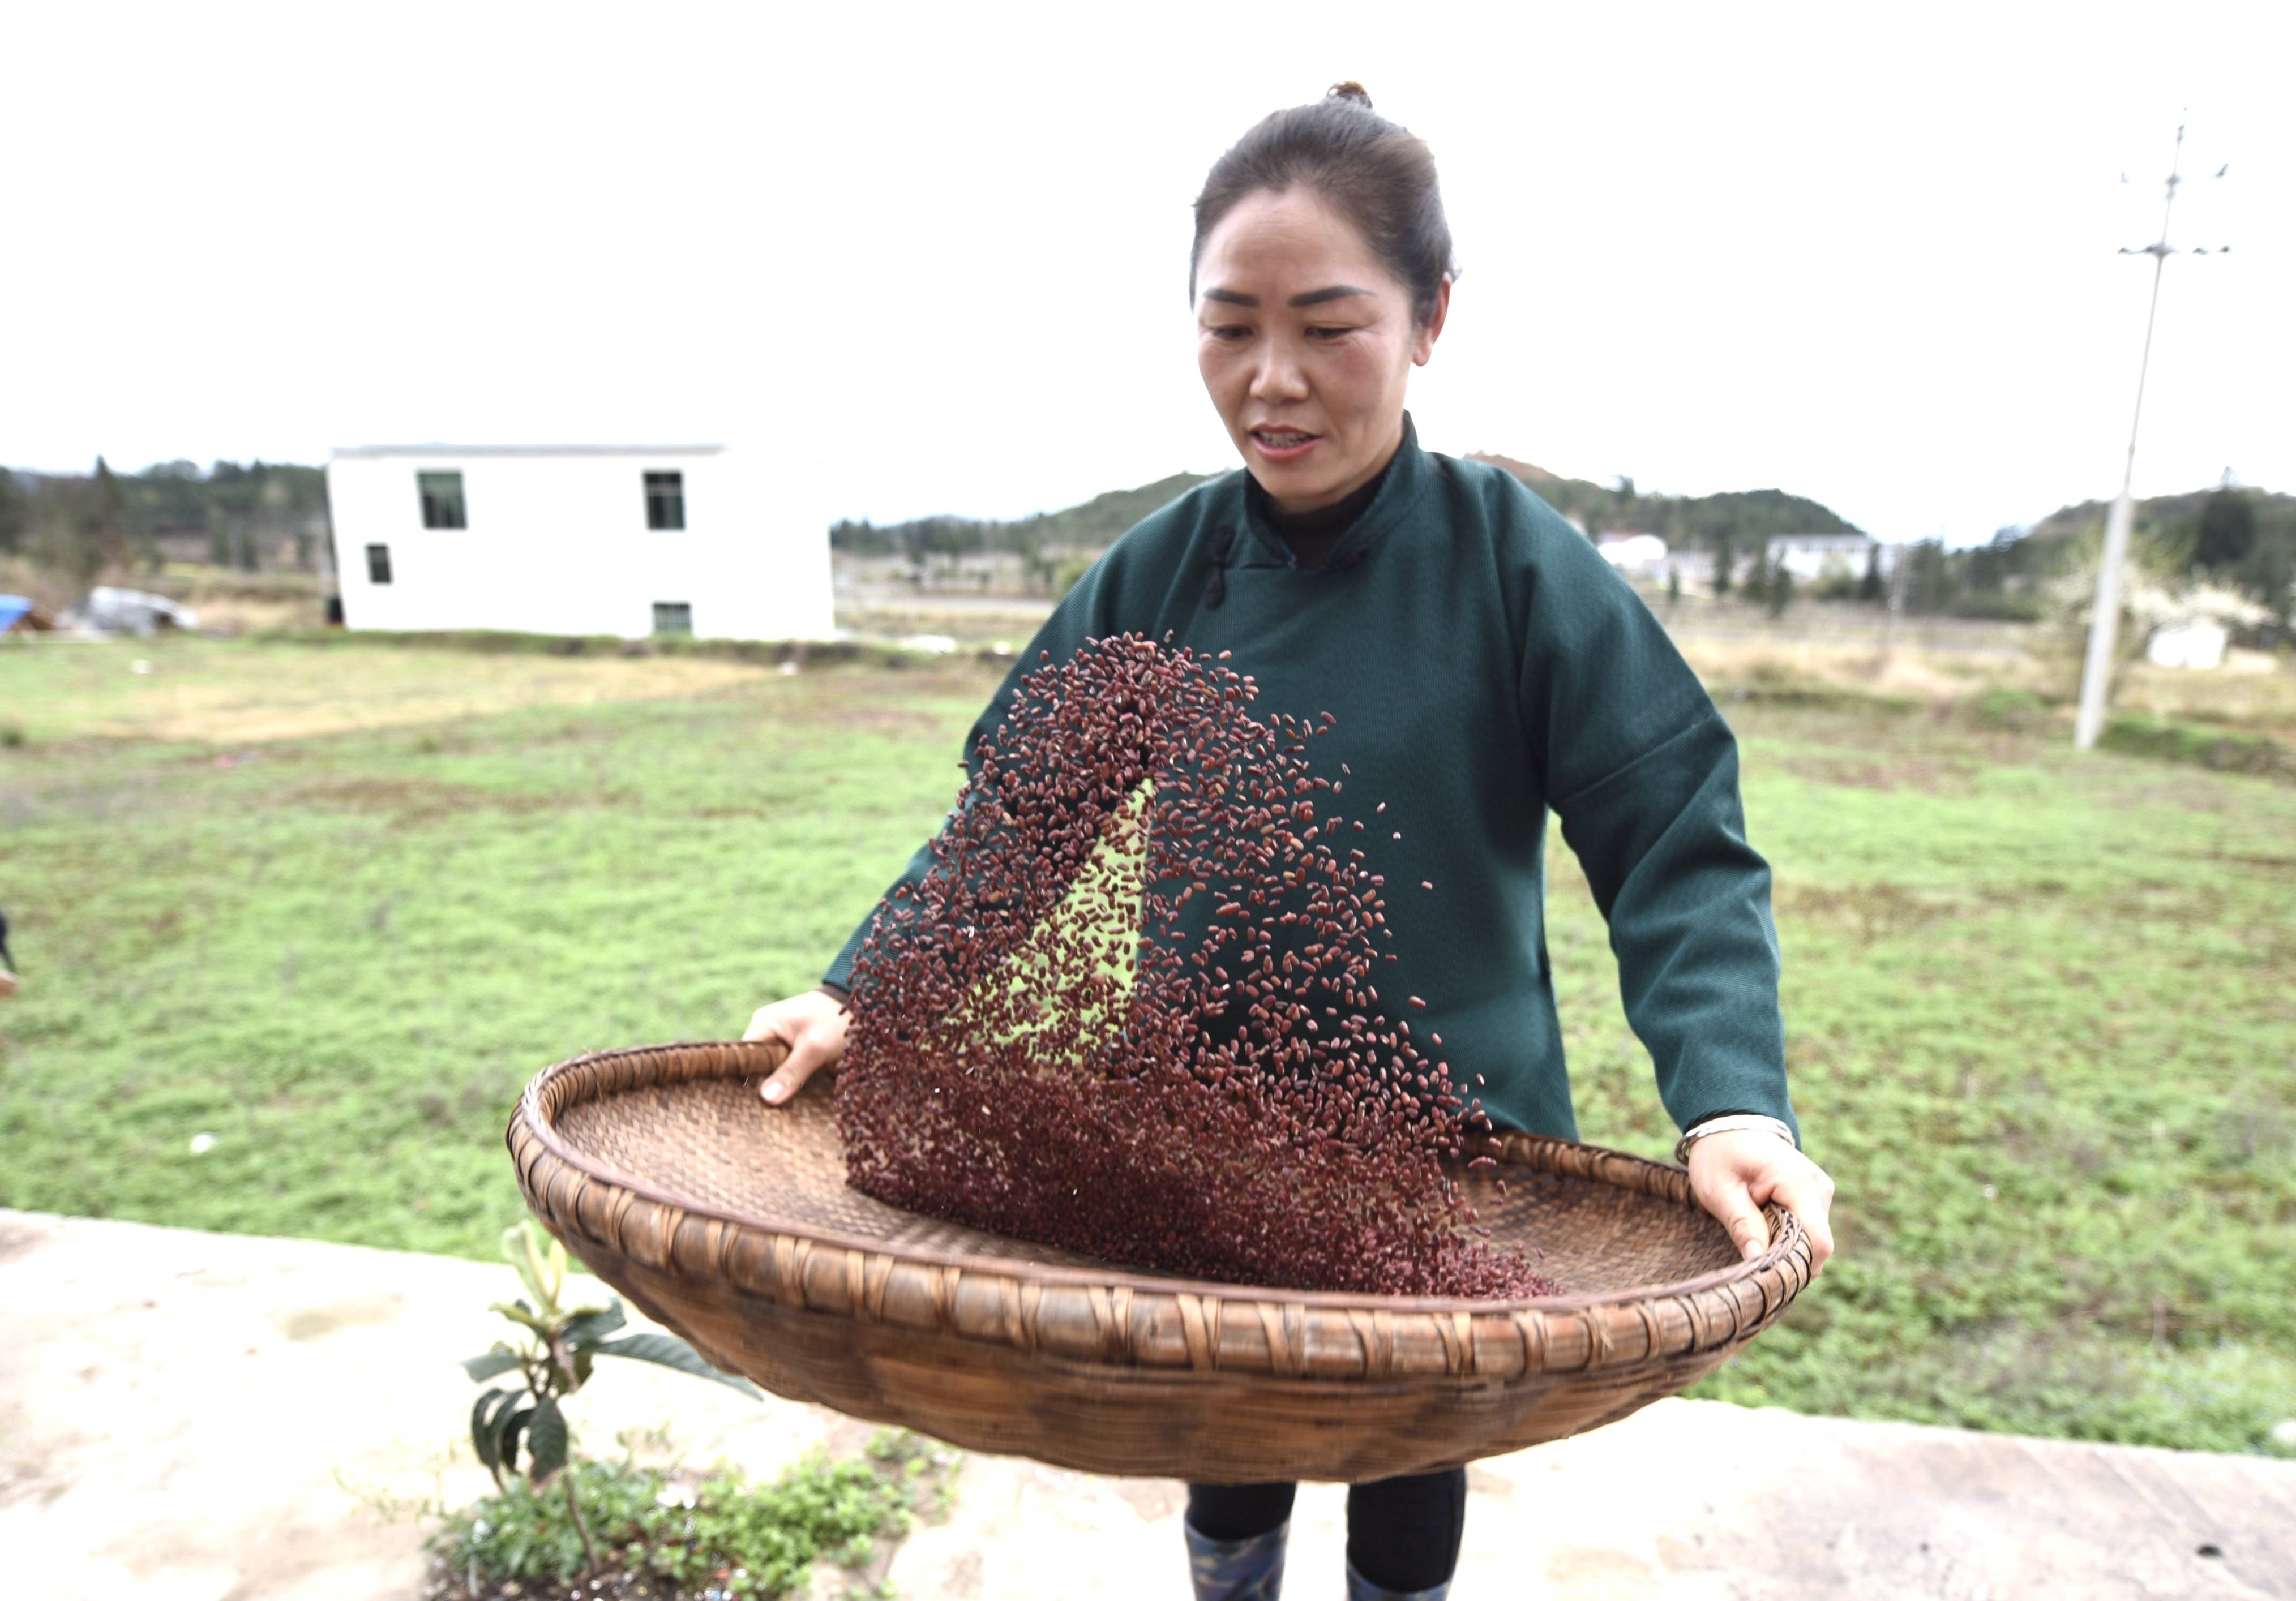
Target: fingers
[[1735, 1175], [1809, 1196], [801, 1035], [1749, 1230], [805, 1057]]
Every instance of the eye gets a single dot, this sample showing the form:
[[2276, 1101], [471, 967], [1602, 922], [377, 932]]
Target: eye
[[1228, 333], [1329, 332]]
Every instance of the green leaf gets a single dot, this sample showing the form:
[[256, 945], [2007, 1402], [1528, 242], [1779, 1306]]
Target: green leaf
[[519, 1312], [669, 1352], [593, 1324], [542, 1266], [546, 1440], [500, 1360], [556, 1257], [483, 1422], [510, 1425]]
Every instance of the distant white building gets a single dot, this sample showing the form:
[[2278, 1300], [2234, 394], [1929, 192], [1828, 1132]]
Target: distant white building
[[627, 540], [1811, 557], [2198, 643], [1636, 555]]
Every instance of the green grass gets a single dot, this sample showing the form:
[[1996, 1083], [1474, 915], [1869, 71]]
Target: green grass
[[2042, 1008]]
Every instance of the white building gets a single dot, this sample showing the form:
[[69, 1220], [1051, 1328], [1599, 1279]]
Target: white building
[[627, 540], [1812, 556], [1636, 555], [2198, 643]]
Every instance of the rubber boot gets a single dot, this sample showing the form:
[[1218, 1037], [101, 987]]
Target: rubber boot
[[1237, 1570], [1360, 1589]]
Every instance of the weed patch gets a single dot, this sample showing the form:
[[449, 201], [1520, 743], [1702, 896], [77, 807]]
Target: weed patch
[[2225, 750]]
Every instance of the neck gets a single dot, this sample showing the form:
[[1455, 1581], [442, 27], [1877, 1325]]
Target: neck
[[1335, 495]]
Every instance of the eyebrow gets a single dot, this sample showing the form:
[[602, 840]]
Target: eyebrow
[[1314, 297]]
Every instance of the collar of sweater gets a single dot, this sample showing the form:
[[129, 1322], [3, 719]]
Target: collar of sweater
[[1407, 477]]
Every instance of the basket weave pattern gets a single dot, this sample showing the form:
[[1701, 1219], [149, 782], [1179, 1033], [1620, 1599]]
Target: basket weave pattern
[[731, 1222]]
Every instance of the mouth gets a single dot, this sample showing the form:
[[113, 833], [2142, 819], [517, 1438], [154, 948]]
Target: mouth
[[1283, 443]]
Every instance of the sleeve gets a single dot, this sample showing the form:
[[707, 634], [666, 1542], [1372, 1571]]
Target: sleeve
[[1643, 771], [1088, 611]]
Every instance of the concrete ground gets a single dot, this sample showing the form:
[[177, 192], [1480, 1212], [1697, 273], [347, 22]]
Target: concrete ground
[[211, 1418]]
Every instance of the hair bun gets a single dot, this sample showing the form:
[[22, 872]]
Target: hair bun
[[1350, 90]]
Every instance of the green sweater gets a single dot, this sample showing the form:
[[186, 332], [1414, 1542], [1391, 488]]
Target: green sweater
[[1484, 663]]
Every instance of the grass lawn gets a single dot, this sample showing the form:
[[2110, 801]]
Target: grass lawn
[[334, 905]]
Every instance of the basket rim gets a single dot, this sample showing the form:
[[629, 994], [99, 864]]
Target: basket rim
[[1665, 1181]]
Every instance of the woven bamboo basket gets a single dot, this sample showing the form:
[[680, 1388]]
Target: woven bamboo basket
[[731, 1222]]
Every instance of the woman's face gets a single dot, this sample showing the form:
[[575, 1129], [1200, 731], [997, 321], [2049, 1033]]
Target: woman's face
[[1305, 340]]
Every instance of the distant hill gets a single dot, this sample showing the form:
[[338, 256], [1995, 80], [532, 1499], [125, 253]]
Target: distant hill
[[2160, 517], [1748, 519], [1521, 469], [1092, 525], [2231, 534]]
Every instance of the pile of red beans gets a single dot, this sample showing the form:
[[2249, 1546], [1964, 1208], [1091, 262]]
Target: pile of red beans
[[1135, 1009]]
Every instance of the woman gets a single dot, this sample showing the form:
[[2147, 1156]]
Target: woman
[[1484, 666]]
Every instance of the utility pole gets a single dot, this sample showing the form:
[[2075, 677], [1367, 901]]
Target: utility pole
[[2104, 620]]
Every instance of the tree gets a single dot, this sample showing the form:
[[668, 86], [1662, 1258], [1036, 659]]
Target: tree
[[1778, 586], [1931, 585], [1870, 588], [61, 537], [2268, 573], [2227, 532], [1724, 558], [107, 518], [12, 516]]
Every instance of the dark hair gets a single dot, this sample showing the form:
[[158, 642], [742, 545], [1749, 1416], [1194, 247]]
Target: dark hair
[[1379, 173]]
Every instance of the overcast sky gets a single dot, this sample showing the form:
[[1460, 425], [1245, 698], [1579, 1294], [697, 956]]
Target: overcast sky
[[934, 258]]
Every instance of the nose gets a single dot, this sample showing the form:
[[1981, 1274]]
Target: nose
[[1279, 376]]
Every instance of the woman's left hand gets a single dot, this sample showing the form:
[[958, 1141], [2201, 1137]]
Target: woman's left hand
[[1736, 1173]]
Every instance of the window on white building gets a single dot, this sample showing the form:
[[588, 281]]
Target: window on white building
[[665, 493], [442, 499], [378, 564], [673, 617]]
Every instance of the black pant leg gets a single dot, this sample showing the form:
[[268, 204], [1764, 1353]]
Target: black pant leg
[[1403, 1534], [1226, 1512]]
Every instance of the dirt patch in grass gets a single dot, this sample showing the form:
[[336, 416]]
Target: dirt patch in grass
[[237, 693], [1905, 673], [411, 800], [1868, 912], [1883, 773]]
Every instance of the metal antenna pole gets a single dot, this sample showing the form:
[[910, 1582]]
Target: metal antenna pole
[[2104, 621]]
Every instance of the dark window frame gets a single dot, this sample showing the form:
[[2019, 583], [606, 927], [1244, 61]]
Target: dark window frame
[[378, 564], [438, 510], [665, 501], [673, 617]]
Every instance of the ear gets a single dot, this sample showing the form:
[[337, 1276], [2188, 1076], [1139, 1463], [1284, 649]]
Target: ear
[[1431, 330]]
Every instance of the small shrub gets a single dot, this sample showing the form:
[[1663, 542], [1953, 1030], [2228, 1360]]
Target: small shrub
[[551, 1363], [2003, 707], [2166, 739], [721, 1534]]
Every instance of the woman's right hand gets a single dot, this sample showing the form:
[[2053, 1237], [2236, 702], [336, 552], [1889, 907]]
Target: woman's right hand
[[812, 1025]]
